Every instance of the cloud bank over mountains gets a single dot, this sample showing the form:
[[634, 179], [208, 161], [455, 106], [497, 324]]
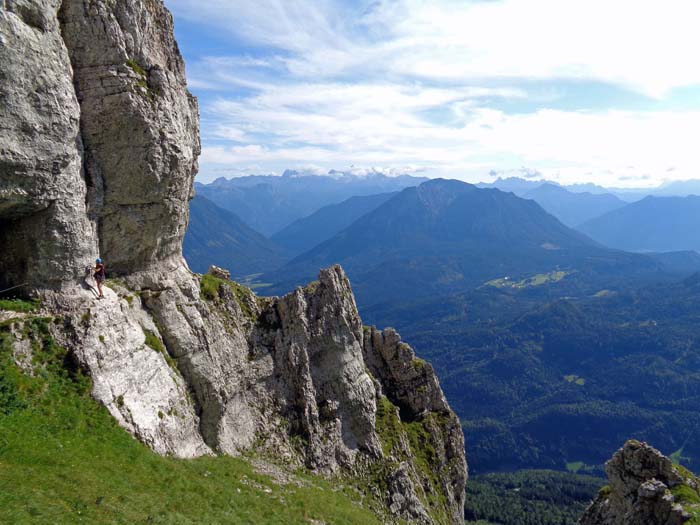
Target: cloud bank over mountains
[[595, 91]]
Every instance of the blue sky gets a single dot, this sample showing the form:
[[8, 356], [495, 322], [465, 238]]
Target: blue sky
[[599, 91]]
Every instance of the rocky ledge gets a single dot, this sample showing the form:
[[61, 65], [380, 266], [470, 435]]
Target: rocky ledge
[[201, 365], [645, 488]]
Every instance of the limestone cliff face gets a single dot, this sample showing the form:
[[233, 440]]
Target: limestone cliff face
[[100, 139], [201, 365], [45, 234], [139, 125], [99, 151], [646, 488]]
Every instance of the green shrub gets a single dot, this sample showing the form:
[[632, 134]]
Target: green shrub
[[685, 495], [209, 287], [136, 67]]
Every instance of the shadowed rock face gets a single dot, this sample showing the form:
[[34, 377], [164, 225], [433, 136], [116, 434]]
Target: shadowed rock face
[[100, 155], [643, 490]]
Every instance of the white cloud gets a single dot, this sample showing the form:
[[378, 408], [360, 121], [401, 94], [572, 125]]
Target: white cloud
[[649, 46], [419, 82], [561, 144]]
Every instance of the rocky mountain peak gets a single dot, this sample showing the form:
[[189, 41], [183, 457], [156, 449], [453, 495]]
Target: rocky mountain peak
[[646, 488]]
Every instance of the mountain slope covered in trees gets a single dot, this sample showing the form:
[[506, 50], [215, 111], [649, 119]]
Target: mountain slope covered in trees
[[542, 380], [659, 224], [446, 236], [220, 237]]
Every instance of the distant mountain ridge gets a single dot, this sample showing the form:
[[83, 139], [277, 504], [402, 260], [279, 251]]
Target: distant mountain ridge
[[305, 233], [269, 203], [220, 237], [573, 208], [653, 224], [520, 186], [446, 236]]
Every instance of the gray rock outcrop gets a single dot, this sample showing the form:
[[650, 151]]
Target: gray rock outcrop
[[45, 235], [139, 126], [410, 384], [99, 152], [100, 139], [645, 488]]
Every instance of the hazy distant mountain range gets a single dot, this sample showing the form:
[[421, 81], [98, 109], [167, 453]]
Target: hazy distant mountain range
[[303, 234], [658, 224], [270, 203], [573, 208], [520, 186], [298, 211], [446, 236]]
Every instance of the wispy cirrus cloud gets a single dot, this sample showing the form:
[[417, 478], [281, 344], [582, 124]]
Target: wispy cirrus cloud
[[571, 89]]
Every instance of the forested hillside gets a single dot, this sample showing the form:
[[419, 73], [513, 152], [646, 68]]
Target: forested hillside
[[551, 383]]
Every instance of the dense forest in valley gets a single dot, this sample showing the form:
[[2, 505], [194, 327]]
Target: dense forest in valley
[[529, 497], [542, 380]]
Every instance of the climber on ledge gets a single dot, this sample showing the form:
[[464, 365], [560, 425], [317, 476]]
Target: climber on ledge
[[100, 274]]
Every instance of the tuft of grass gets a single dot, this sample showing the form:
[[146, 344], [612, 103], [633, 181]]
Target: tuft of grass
[[685, 495], [154, 342], [392, 431], [418, 363], [209, 287], [64, 459], [312, 287], [20, 305], [388, 425], [136, 67]]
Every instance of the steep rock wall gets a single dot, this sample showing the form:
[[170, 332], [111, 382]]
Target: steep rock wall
[[45, 235], [100, 140], [139, 124]]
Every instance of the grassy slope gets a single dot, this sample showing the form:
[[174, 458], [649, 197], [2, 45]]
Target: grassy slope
[[63, 459]]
